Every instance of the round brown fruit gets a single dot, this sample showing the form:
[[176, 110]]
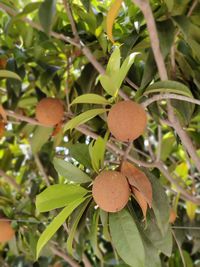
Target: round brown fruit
[[6, 231], [49, 111], [111, 191], [127, 120]]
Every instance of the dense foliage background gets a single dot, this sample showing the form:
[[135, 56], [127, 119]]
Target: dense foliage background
[[58, 49]]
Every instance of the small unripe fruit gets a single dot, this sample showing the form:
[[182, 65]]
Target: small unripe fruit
[[49, 111], [111, 191], [127, 120], [6, 231]]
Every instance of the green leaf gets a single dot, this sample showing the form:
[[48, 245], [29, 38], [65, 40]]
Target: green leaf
[[47, 12], [160, 204], [56, 224], [167, 145], [90, 99], [160, 242], [191, 210], [94, 235], [169, 87], [9, 74], [82, 118], [70, 172], [80, 152], [121, 75], [40, 137], [58, 195], [97, 151], [74, 227], [113, 63], [109, 84], [126, 238]]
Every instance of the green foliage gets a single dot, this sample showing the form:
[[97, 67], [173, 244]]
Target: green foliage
[[35, 64], [58, 196]]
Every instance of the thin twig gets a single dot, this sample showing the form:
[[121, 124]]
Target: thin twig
[[179, 248], [10, 180], [71, 19], [64, 256], [187, 195], [132, 84], [41, 169], [151, 26], [37, 26], [20, 117], [127, 151], [193, 6], [165, 96]]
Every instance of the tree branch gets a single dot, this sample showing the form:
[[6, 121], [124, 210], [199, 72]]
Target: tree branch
[[151, 26], [41, 169], [164, 96], [10, 180], [65, 257], [184, 193]]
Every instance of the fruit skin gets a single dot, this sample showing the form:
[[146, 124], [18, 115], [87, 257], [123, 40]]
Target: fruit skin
[[49, 111], [127, 120], [111, 191], [6, 231]]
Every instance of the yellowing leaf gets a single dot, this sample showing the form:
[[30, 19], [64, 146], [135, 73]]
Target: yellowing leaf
[[139, 180], [140, 200], [112, 13], [191, 210]]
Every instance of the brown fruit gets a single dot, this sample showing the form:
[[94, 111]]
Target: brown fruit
[[6, 231], [49, 111], [127, 120], [2, 128], [172, 216], [111, 191], [3, 62]]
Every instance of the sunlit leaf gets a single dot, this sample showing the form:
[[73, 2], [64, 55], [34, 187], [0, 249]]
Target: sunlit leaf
[[56, 224], [58, 196], [191, 210], [82, 118], [90, 99], [9, 74]]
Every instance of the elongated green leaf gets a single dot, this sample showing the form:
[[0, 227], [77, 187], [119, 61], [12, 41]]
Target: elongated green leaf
[[80, 152], [109, 84], [56, 224], [69, 171], [9, 74], [169, 87], [113, 63], [82, 118], [91, 99], [160, 204], [74, 227], [97, 151], [154, 235], [125, 68], [126, 238], [40, 137], [46, 14], [58, 196]]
